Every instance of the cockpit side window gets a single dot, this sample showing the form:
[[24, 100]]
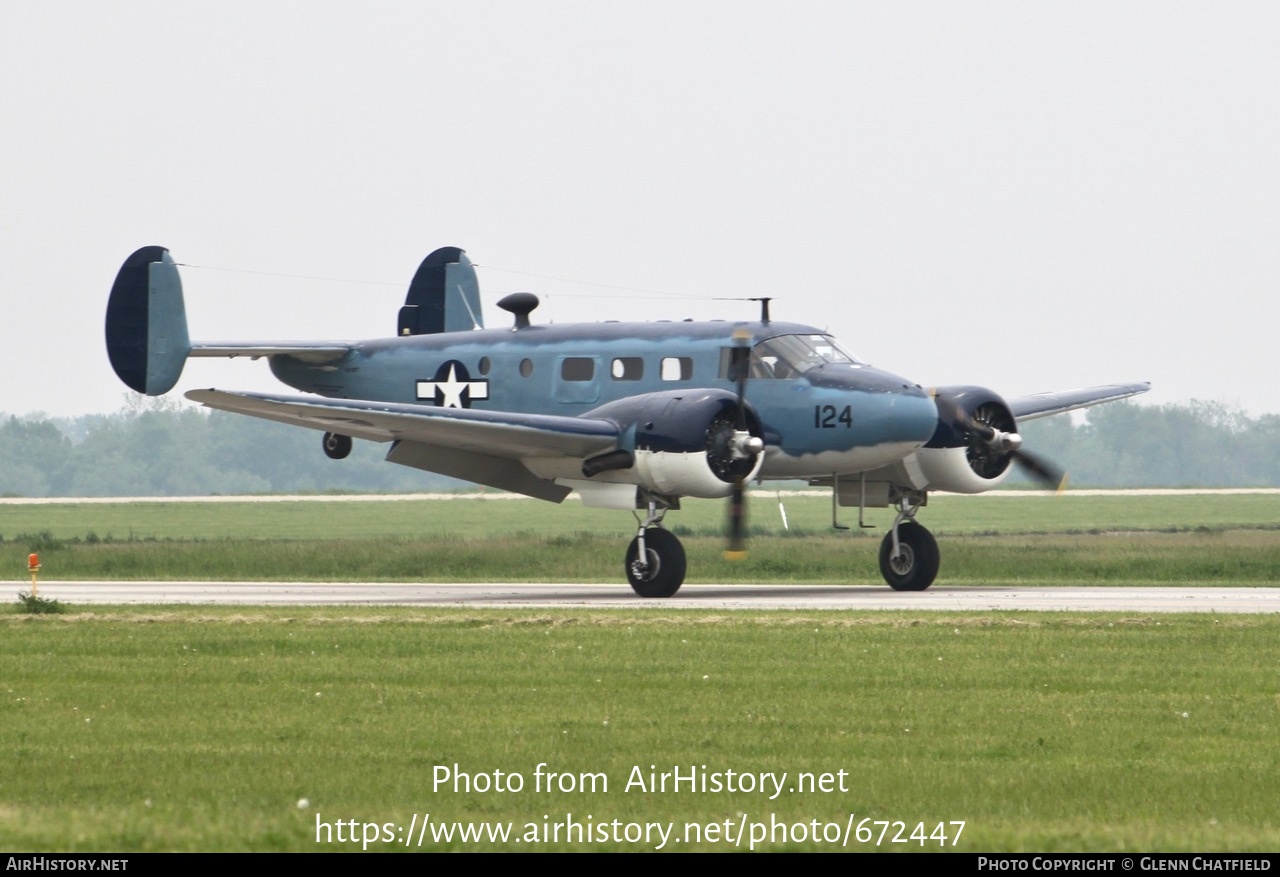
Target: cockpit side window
[[789, 356]]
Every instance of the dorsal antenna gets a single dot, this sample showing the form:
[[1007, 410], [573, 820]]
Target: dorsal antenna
[[521, 304]]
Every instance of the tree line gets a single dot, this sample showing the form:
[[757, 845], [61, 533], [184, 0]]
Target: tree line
[[1193, 444], [165, 448]]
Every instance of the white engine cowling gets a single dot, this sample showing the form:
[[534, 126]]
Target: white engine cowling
[[685, 443], [949, 469], [972, 448]]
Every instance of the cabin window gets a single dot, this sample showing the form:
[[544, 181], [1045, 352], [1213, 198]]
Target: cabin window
[[483, 367], [628, 368], [526, 367], [577, 368], [677, 368]]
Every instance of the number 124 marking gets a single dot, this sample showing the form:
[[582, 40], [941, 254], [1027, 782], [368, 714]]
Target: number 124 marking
[[830, 417]]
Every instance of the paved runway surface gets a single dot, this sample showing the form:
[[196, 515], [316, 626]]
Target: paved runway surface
[[719, 597]]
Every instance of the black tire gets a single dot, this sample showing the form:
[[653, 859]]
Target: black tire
[[336, 446], [666, 569], [916, 569]]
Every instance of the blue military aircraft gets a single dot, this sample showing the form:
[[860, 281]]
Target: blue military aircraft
[[627, 415]]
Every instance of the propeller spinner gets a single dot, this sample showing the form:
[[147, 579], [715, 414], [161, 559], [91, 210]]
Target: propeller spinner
[[990, 446]]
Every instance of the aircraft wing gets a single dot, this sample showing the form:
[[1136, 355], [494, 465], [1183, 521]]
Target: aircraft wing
[[497, 433], [1044, 404], [484, 447]]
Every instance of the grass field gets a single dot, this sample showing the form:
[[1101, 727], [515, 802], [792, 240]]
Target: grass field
[[481, 518], [1120, 539], [195, 728], [199, 729]]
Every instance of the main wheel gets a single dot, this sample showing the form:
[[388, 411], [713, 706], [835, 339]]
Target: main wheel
[[915, 568], [336, 446], [663, 572]]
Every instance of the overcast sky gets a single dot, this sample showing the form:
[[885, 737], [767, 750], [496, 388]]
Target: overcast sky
[[1029, 196]]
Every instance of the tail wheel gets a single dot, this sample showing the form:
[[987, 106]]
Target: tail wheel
[[916, 565], [336, 446], [662, 572]]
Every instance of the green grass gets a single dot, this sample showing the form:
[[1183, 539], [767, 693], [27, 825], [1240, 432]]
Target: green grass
[[984, 540], [201, 729], [33, 604], [479, 518], [1232, 557]]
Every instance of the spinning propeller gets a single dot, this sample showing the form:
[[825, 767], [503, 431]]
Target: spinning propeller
[[742, 449], [990, 447]]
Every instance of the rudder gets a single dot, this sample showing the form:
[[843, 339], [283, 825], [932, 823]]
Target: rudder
[[444, 296], [147, 340]]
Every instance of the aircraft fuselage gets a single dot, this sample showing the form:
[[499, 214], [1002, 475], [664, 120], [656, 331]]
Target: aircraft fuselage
[[832, 415]]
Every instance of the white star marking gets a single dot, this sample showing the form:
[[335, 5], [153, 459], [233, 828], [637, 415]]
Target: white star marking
[[452, 389]]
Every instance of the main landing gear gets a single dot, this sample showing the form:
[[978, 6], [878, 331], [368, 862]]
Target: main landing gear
[[655, 562], [909, 558], [909, 554]]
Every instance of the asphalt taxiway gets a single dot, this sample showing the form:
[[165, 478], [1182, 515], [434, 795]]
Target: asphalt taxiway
[[953, 598]]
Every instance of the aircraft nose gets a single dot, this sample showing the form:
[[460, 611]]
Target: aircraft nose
[[914, 412], [866, 379], [902, 410], [918, 413]]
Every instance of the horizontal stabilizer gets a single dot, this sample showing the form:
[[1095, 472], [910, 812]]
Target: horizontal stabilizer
[[313, 352], [147, 339]]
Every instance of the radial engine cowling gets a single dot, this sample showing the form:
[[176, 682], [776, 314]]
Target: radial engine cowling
[[683, 443], [973, 447]]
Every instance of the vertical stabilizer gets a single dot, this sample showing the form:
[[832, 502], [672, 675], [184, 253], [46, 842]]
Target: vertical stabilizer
[[443, 297], [147, 322]]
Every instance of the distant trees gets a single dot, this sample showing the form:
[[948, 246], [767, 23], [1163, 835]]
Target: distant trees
[[1194, 444], [34, 456], [163, 448], [158, 447]]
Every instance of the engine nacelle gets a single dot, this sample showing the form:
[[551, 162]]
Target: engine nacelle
[[681, 443], [948, 469], [972, 448]]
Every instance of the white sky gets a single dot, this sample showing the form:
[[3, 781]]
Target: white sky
[[1029, 196]]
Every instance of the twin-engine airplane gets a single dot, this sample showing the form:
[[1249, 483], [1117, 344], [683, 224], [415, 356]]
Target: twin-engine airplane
[[628, 415]]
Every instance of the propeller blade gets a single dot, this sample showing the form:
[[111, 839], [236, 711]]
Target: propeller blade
[[737, 548], [1041, 470], [741, 364]]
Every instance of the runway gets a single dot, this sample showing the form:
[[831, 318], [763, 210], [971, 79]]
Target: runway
[[955, 598]]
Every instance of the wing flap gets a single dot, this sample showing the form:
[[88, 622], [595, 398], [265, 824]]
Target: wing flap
[[499, 472], [1045, 404]]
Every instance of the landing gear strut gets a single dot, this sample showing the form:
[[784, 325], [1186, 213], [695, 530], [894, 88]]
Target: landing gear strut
[[336, 446], [909, 554], [655, 561]]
